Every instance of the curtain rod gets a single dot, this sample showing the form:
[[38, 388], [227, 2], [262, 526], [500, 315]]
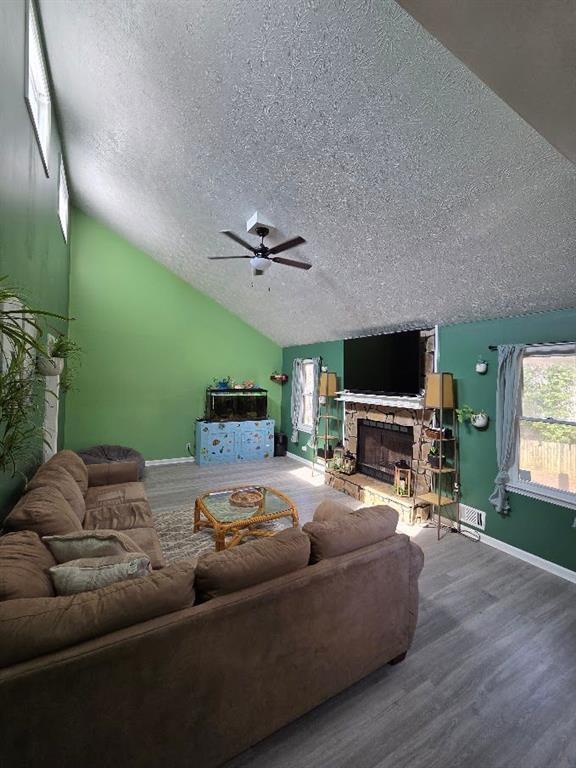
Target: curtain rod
[[494, 348]]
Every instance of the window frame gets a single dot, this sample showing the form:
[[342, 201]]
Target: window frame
[[302, 426], [528, 487], [63, 217], [34, 92]]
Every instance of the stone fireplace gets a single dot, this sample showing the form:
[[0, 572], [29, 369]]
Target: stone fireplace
[[380, 445], [380, 431]]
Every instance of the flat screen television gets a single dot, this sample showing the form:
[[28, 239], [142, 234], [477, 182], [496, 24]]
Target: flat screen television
[[388, 364]]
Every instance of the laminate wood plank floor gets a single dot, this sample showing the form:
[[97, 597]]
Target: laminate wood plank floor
[[489, 682]]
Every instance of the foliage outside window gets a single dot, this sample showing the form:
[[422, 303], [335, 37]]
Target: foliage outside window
[[306, 408], [546, 450]]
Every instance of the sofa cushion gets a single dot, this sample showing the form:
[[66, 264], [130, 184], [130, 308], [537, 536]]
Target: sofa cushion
[[147, 540], [219, 573], [89, 573], [35, 626], [74, 465], [345, 533], [81, 544], [60, 478], [45, 511], [329, 510], [120, 517], [120, 493], [24, 564], [112, 473]]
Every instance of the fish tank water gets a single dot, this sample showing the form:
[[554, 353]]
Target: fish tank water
[[236, 404]]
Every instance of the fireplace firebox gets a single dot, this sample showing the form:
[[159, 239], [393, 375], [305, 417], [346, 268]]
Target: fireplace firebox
[[380, 445]]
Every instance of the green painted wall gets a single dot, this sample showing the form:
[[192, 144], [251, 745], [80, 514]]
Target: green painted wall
[[32, 249], [152, 343], [332, 354], [537, 527]]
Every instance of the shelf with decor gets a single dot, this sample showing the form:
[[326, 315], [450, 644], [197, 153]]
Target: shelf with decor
[[439, 470], [327, 428]]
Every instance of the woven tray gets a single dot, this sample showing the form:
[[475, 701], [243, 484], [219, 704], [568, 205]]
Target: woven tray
[[246, 498]]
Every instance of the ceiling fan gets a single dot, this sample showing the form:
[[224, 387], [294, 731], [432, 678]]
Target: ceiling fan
[[261, 257]]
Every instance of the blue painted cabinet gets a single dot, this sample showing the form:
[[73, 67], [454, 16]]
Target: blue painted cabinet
[[222, 442]]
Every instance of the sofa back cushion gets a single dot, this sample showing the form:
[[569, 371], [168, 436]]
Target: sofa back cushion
[[45, 511], [329, 510], [35, 626], [346, 533], [24, 564], [59, 478], [219, 573], [82, 544], [74, 465]]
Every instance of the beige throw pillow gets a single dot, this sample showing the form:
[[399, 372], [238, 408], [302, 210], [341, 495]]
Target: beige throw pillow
[[82, 544], [87, 574]]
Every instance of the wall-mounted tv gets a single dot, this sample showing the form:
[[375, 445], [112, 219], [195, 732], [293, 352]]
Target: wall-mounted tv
[[388, 364]]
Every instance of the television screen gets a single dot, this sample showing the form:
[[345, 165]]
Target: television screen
[[388, 364]]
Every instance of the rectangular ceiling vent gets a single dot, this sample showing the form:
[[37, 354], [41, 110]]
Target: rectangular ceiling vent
[[472, 516]]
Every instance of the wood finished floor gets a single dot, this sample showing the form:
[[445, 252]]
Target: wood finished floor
[[490, 680]]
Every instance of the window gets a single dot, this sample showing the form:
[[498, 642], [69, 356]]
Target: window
[[63, 200], [37, 92], [546, 434], [306, 423]]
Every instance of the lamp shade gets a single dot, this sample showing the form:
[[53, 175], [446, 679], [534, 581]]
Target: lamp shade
[[439, 391], [328, 385]]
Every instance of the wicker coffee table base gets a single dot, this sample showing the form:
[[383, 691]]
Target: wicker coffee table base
[[239, 529]]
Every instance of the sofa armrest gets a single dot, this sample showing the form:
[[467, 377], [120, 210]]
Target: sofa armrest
[[112, 473]]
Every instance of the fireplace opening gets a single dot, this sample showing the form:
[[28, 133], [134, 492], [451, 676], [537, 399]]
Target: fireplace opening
[[380, 445]]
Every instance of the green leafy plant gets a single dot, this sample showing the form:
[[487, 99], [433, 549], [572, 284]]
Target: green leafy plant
[[70, 352], [22, 329], [465, 413]]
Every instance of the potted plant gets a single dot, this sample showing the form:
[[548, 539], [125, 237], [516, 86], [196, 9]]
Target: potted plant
[[433, 457], [62, 351], [478, 419], [21, 391]]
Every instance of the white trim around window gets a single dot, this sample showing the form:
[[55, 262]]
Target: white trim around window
[[531, 488], [63, 200], [37, 89]]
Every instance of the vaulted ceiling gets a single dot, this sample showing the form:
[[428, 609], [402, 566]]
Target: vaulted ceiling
[[423, 197]]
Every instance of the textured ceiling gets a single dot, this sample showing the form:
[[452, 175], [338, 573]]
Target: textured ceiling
[[524, 50], [423, 197]]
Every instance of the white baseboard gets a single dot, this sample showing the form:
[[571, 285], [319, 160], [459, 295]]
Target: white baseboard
[[302, 460], [163, 462], [539, 562]]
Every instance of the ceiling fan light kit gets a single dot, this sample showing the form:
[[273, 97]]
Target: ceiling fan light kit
[[262, 256]]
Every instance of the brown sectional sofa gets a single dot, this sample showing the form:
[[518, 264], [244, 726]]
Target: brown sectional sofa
[[195, 663], [100, 496]]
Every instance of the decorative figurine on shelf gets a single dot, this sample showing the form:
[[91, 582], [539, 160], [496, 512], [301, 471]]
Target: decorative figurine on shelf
[[248, 384], [349, 463], [225, 383], [402, 479], [337, 457]]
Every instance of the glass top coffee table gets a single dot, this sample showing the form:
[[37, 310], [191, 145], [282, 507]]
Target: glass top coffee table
[[240, 512]]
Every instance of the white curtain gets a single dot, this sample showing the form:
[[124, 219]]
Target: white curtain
[[508, 388], [296, 402]]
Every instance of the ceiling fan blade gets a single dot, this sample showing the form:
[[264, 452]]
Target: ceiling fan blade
[[288, 244], [291, 262], [219, 258], [238, 239]]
